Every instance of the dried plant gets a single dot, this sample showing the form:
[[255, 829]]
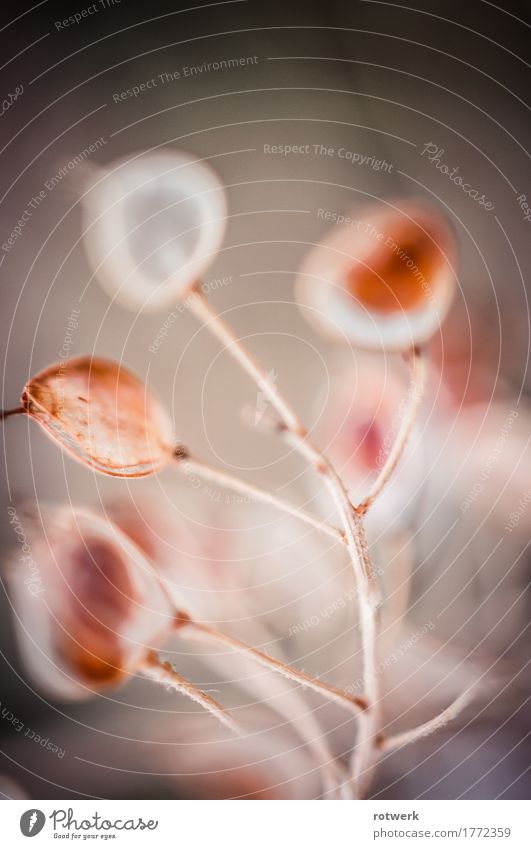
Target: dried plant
[[109, 613], [153, 224]]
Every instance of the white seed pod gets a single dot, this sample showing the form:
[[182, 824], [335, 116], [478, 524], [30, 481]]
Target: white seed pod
[[102, 414], [384, 281], [153, 223], [94, 608]]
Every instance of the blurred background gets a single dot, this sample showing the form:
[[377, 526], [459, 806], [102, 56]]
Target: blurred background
[[382, 81]]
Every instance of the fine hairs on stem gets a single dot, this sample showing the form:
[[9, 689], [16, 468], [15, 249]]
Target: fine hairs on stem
[[212, 635], [162, 672], [396, 741], [256, 493]]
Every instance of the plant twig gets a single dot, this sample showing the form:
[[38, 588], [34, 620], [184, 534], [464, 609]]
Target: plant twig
[[288, 702], [199, 630], [351, 519], [163, 673], [396, 741], [228, 481], [215, 324], [416, 391], [5, 414]]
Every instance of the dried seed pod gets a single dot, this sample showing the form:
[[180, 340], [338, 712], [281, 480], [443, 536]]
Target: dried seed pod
[[101, 414], [384, 281], [153, 223], [99, 611]]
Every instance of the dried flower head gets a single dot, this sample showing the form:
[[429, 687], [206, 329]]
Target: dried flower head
[[153, 223], [383, 282], [102, 609], [101, 414]]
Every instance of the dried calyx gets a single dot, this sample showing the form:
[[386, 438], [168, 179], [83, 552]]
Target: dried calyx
[[105, 612], [385, 284], [102, 414], [102, 609]]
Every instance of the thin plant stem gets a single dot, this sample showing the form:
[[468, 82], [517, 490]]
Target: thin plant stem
[[163, 673], [363, 758], [288, 702], [416, 391], [351, 519], [212, 321], [356, 704], [5, 414], [396, 741], [190, 465]]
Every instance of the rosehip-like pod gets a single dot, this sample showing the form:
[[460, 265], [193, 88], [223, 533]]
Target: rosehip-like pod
[[94, 610], [385, 281], [102, 414], [153, 223]]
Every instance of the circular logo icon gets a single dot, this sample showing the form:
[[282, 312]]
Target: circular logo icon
[[31, 822]]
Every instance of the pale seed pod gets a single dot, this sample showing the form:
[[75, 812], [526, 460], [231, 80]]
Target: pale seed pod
[[153, 223], [385, 283], [100, 609]]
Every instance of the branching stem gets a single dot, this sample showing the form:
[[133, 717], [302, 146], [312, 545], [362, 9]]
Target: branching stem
[[190, 466], [416, 391], [352, 521], [396, 741], [212, 635], [5, 414], [163, 673]]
